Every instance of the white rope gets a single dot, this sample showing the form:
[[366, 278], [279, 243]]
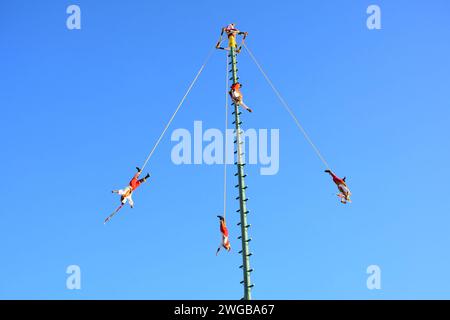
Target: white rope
[[289, 110], [226, 141], [177, 109]]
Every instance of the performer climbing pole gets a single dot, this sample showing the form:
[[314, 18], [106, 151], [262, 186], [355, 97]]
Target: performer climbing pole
[[233, 50]]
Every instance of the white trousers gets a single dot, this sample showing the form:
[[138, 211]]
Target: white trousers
[[127, 198]]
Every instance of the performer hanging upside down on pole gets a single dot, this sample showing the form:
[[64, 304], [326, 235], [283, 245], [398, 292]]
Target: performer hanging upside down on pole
[[224, 230], [344, 192], [127, 192], [237, 97]]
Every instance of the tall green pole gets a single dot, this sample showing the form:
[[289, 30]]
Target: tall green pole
[[245, 252]]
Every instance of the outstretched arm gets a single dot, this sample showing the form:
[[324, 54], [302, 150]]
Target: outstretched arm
[[220, 39]]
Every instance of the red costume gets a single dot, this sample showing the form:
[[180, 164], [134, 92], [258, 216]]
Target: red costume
[[135, 182], [345, 193], [336, 179], [127, 192], [236, 87], [224, 230], [237, 96]]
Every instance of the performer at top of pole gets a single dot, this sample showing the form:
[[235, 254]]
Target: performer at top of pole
[[232, 32]]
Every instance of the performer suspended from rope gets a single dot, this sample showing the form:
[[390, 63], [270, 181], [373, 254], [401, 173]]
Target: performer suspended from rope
[[237, 97], [344, 192], [231, 32], [224, 230], [127, 192]]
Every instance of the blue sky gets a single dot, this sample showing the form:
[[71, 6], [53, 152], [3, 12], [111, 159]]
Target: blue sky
[[81, 108]]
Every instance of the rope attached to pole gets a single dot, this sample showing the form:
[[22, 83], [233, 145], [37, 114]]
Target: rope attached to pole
[[177, 109], [226, 142], [288, 108]]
